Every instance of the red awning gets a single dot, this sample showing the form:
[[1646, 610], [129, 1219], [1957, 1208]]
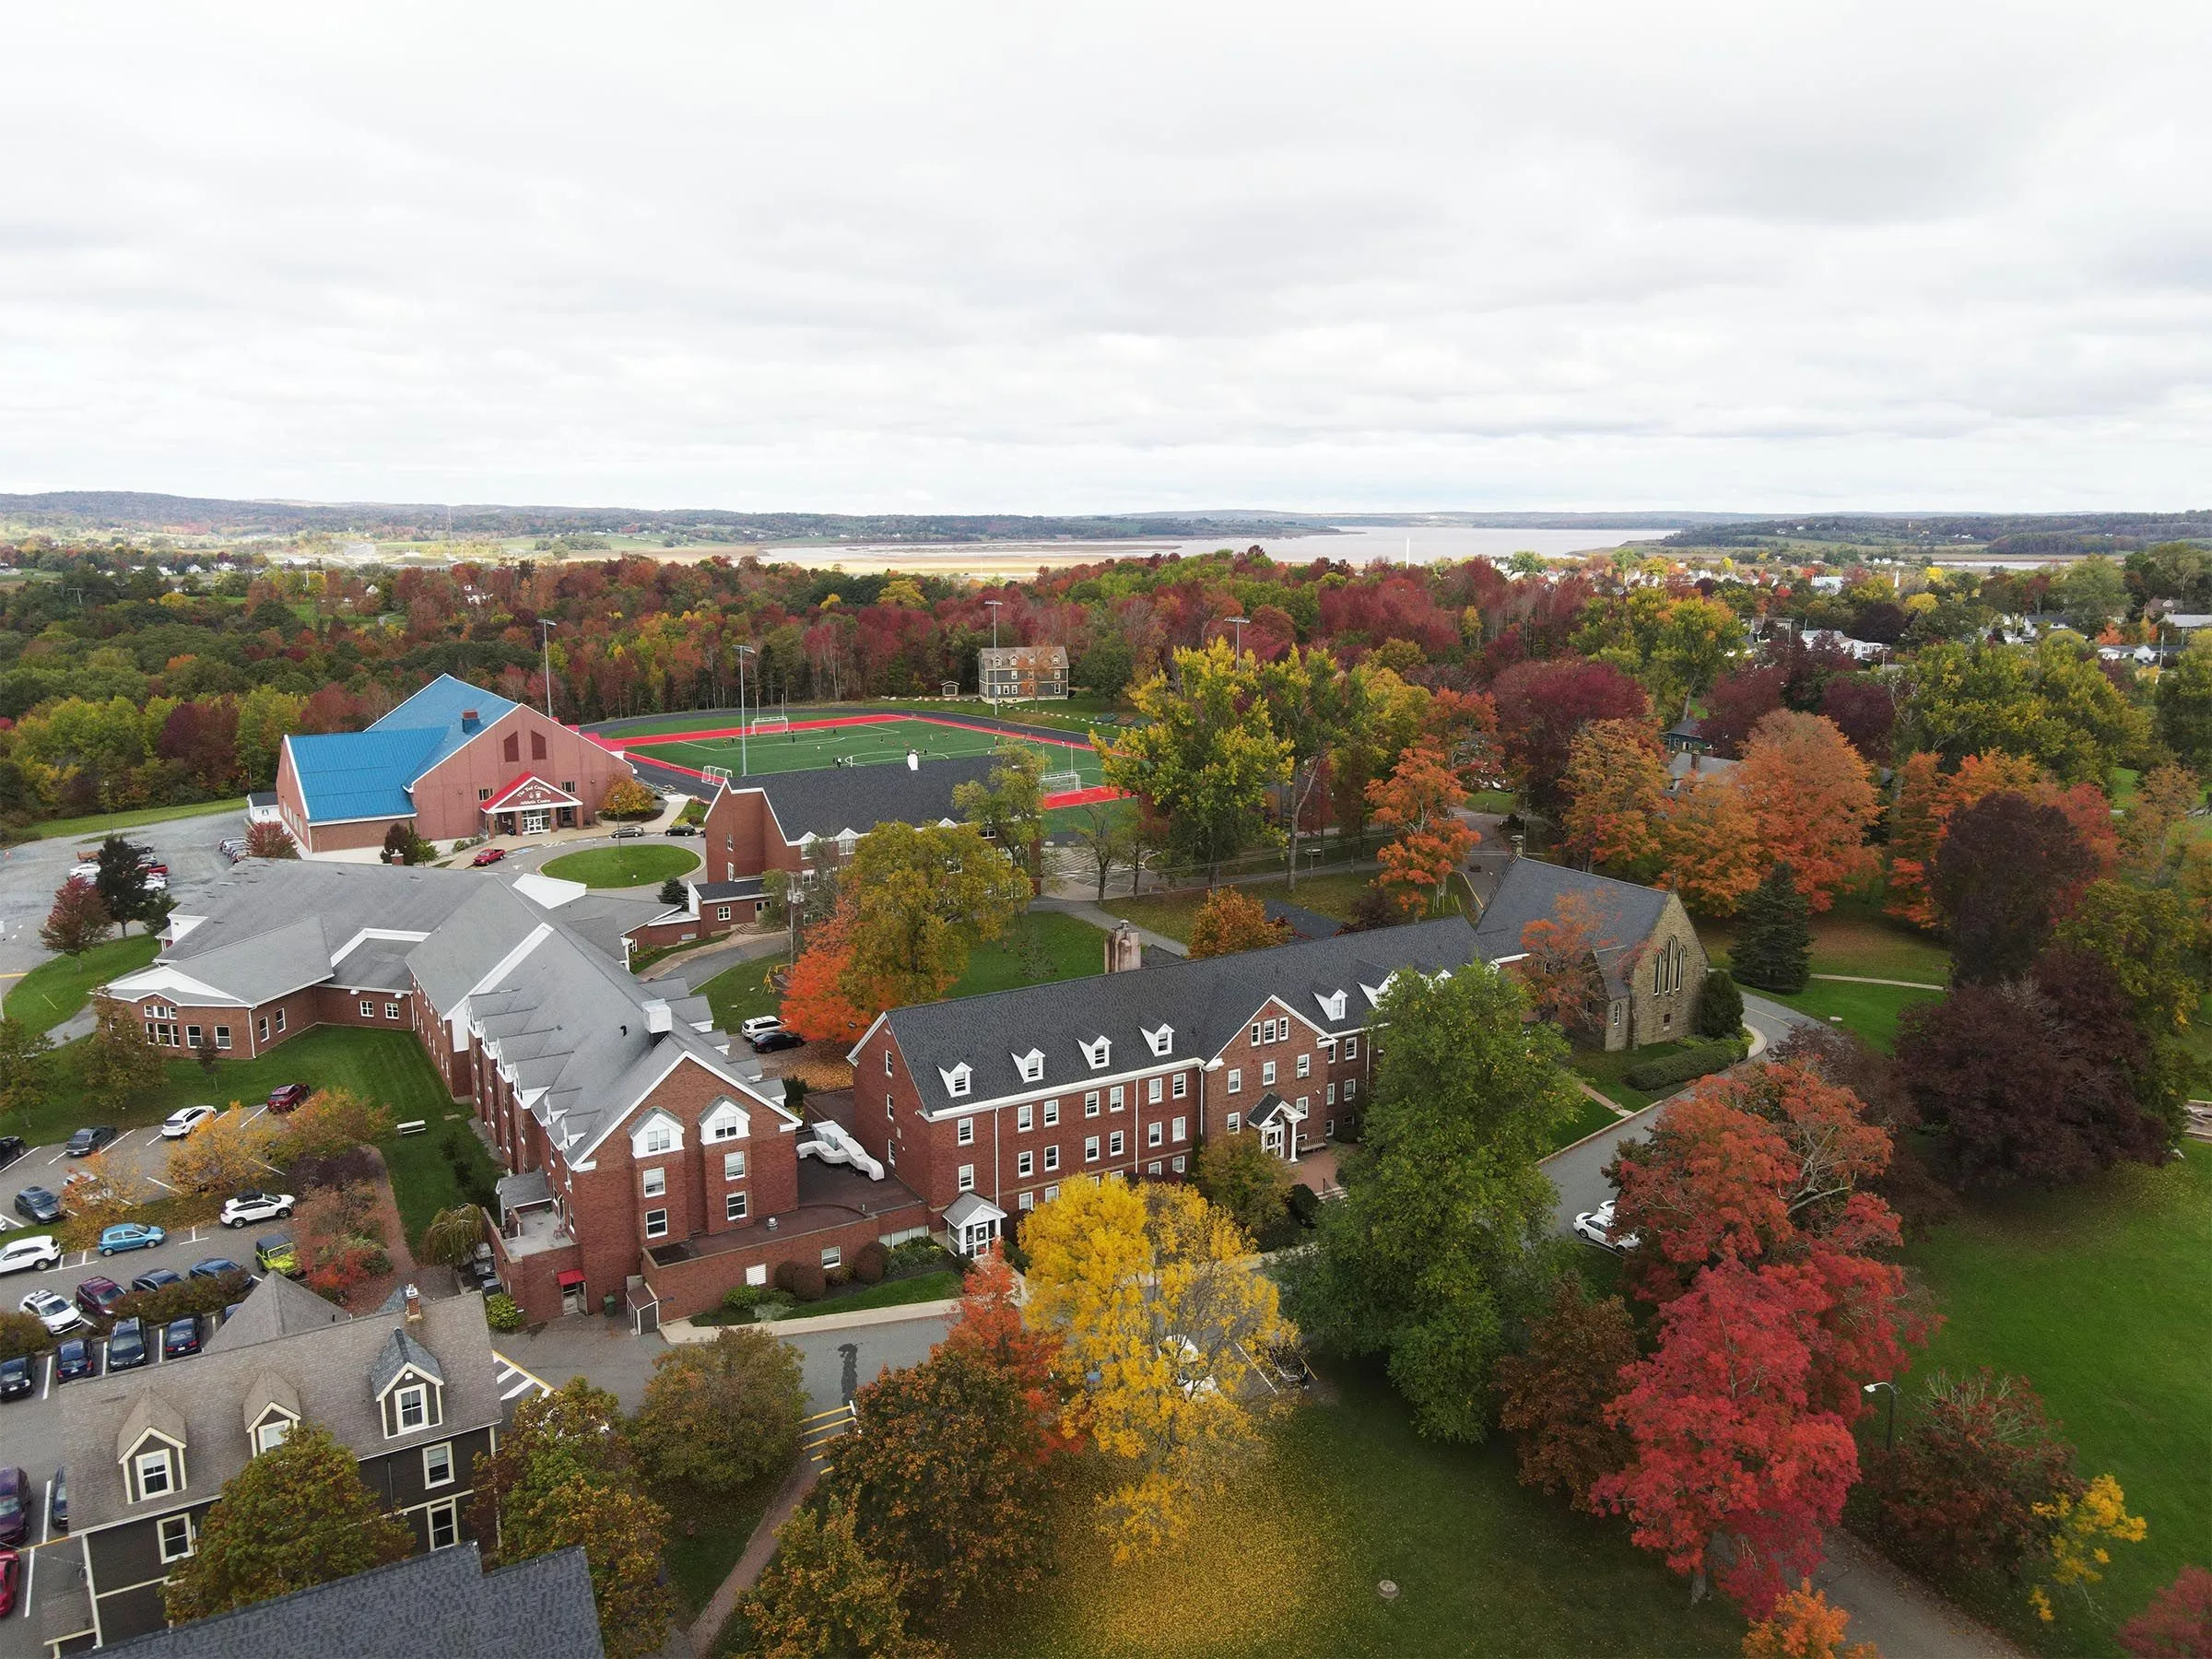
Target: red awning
[[568, 1279]]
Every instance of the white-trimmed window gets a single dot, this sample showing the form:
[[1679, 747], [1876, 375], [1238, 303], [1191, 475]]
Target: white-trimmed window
[[727, 1120], [1051, 1192], [1115, 1144], [886, 1059], [1176, 1164], [721, 912], [1255, 1034], [1182, 1085], [1090, 1103], [1051, 1158], [1098, 1050], [271, 1433], [1351, 1088], [1154, 1132], [262, 1026], [176, 1537], [391, 1010], [411, 1407], [1181, 1130], [1115, 1097], [1025, 1164], [156, 1472], [657, 1223], [1156, 1089], [834, 1255], [1162, 1039], [887, 1113], [967, 1178], [1267, 1073], [964, 1132], [1031, 1065], [191, 1036], [1351, 1048], [657, 1181], [733, 1166], [1236, 1079], [1236, 1122], [1090, 1148], [445, 1524], [1051, 1113], [438, 1464], [1028, 1201], [1025, 1118], [656, 1137], [1305, 1066], [958, 1080], [733, 1206], [222, 1037], [1332, 1094]]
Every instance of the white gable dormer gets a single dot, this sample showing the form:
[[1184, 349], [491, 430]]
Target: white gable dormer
[[1098, 1050], [1163, 1039], [1374, 993], [1031, 1066], [654, 1135], [725, 1119], [958, 1080], [1332, 1003]]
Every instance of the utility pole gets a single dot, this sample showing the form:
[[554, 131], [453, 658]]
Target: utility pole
[[1238, 623], [994, 604], [744, 765], [545, 641]]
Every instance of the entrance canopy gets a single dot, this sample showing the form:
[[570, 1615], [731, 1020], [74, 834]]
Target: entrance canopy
[[568, 1279], [529, 790]]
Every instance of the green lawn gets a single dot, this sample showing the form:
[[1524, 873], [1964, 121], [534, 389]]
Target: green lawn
[[743, 993], [893, 1293], [623, 867], [55, 989], [1285, 1565], [2099, 1297], [104, 822], [707, 1533], [423, 1181], [1854, 939], [1037, 946], [1869, 1010], [1332, 894], [878, 741], [1588, 1119]]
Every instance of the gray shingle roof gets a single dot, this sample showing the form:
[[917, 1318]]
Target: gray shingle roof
[[860, 797], [277, 1307], [1206, 1002], [1621, 913], [329, 1369], [399, 1352], [429, 1607], [1303, 923]]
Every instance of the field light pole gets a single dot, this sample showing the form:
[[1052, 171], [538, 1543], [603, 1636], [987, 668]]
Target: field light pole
[[1238, 623], [545, 641], [1889, 1436], [994, 604], [743, 767]]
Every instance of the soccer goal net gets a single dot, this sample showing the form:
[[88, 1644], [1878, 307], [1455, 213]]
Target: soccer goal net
[[717, 774], [1060, 782], [771, 723]]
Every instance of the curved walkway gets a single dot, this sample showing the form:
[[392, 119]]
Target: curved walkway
[[1853, 979]]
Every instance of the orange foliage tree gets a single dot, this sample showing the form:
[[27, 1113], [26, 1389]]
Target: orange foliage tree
[[1929, 798], [1709, 849], [1230, 920], [815, 1004], [1804, 1626], [1615, 786], [1813, 795], [1558, 965], [1417, 801]]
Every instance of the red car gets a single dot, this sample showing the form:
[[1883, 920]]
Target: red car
[[490, 855], [286, 1096], [11, 1580]]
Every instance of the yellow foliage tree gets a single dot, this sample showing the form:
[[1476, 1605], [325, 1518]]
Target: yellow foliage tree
[[1159, 1310], [2080, 1528], [228, 1153]]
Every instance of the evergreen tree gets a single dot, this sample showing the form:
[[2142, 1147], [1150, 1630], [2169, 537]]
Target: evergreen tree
[[1720, 1005], [1774, 948]]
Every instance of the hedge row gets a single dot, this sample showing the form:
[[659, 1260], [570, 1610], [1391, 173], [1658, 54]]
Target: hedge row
[[1684, 1066]]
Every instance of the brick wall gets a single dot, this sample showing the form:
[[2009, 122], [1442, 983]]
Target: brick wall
[[344, 837], [697, 1285], [742, 837], [446, 798]]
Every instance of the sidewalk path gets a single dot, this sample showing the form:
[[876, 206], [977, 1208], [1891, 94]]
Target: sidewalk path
[[1853, 979], [758, 1551], [1900, 1615], [1106, 922], [697, 967]]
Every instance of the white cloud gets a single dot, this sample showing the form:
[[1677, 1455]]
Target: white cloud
[[976, 257]]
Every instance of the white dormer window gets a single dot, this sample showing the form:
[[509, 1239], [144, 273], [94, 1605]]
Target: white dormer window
[[1332, 1004], [1374, 993], [154, 1472], [1031, 1066], [725, 1121], [1162, 1039], [1098, 1050], [958, 1079], [656, 1137]]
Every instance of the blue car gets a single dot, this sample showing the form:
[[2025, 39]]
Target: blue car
[[74, 1359], [215, 1267], [180, 1338], [130, 1235]]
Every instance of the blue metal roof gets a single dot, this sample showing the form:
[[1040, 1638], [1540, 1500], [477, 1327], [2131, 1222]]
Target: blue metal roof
[[366, 774]]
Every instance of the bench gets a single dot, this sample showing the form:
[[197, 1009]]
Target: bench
[[412, 1127]]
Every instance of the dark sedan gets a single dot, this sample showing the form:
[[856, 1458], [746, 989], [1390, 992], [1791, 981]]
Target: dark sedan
[[126, 1344], [288, 1097], [681, 830], [158, 1279], [11, 1148], [15, 1506], [771, 1042], [39, 1204], [214, 1267], [179, 1337], [58, 1507], [97, 1296], [17, 1378], [86, 1142], [74, 1359]]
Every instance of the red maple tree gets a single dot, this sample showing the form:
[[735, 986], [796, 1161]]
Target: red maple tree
[[815, 1004], [1418, 801], [1814, 801]]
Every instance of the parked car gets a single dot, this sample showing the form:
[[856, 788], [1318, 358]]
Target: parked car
[[277, 1254], [214, 1267], [38, 1204], [39, 1252], [180, 1338], [184, 1121], [11, 1148], [246, 1208], [759, 1025], [130, 1235], [154, 881], [74, 1359], [86, 1142], [628, 832], [681, 830], [15, 1509], [97, 1296], [126, 1344], [53, 1311], [57, 1508], [159, 1278], [284, 1097], [775, 1041], [490, 856], [84, 871], [1597, 1227], [16, 1378]]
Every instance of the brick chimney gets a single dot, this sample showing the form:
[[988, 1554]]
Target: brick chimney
[[413, 1305], [1125, 950]]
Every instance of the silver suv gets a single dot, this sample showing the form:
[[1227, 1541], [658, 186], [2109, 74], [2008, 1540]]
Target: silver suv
[[248, 1208]]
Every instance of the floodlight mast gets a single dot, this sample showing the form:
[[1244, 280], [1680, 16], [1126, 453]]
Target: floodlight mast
[[743, 764]]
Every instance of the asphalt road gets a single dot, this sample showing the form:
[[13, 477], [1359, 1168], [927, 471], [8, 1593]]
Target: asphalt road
[[1579, 1171]]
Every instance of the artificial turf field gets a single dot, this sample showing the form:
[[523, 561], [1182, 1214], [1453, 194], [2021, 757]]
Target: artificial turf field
[[857, 740]]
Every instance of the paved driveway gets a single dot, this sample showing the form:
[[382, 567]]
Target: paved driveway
[[30, 873]]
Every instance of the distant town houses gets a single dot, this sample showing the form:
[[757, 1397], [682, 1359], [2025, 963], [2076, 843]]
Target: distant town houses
[[454, 762]]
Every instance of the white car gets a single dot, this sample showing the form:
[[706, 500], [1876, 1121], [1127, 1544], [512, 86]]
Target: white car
[[57, 1313], [184, 1121], [761, 1025], [84, 872], [40, 1251], [1597, 1227], [248, 1208]]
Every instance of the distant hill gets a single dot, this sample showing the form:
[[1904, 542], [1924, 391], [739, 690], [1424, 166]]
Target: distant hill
[[2022, 535]]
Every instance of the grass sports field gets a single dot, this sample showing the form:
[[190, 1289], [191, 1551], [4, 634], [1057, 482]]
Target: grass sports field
[[858, 740]]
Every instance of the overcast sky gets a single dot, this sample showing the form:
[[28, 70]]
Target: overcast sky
[[1050, 258]]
